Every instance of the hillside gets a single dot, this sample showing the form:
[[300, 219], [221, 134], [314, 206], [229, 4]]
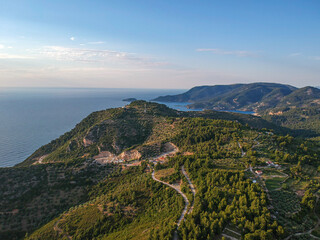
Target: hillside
[[256, 97], [119, 130], [200, 93], [246, 97], [299, 110], [304, 121], [284, 105], [303, 97], [96, 181]]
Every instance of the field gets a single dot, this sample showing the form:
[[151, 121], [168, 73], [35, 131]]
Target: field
[[274, 183], [285, 202], [163, 173]]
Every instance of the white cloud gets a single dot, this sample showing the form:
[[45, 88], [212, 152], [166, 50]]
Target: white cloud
[[4, 47], [95, 43], [238, 53], [95, 55], [12, 56], [72, 38]]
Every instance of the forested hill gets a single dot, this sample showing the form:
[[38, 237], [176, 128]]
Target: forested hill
[[118, 129], [200, 93], [257, 97], [137, 172], [284, 105], [253, 96]]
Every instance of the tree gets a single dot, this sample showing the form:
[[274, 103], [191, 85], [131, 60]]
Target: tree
[[280, 231]]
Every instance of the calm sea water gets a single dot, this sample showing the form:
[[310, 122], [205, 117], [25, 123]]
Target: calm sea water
[[33, 117], [182, 106]]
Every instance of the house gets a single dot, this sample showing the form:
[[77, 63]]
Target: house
[[270, 163], [258, 172]]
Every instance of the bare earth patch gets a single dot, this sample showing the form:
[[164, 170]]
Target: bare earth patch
[[164, 173]]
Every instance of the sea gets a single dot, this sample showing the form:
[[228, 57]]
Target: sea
[[32, 117]]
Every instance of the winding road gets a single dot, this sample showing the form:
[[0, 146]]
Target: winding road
[[243, 153], [193, 190], [185, 210], [181, 193]]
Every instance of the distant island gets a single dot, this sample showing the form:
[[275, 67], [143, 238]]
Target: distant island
[[284, 105], [129, 99]]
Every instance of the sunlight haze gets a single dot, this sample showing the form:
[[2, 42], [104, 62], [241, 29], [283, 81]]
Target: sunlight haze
[[158, 44]]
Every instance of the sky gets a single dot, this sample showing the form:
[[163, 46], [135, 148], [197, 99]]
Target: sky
[[158, 44]]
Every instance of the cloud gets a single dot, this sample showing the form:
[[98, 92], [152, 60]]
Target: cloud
[[72, 38], [95, 43], [3, 47], [12, 56], [295, 54], [96, 56], [317, 58], [92, 43], [238, 53]]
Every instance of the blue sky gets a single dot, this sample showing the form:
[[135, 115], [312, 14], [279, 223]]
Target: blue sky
[[158, 44]]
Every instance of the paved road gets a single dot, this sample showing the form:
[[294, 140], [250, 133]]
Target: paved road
[[185, 210], [181, 193], [193, 190], [242, 152]]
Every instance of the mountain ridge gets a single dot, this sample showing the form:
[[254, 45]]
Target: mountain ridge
[[281, 104], [231, 97]]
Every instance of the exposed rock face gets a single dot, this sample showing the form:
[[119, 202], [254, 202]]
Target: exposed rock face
[[108, 157], [105, 157], [40, 159], [87, 142], [276, 113], [130, 155]]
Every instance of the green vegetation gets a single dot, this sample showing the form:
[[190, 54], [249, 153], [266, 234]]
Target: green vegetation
[[305, 121], [34, 195], [274, 183], [236, 96], [284, 105], [127, 206], [63, 192]]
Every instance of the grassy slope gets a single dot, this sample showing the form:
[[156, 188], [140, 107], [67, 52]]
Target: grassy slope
[[128, 206], [214, 145]]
